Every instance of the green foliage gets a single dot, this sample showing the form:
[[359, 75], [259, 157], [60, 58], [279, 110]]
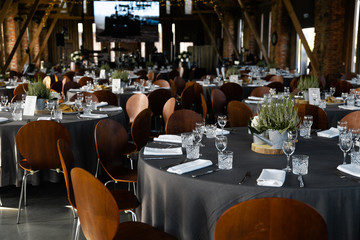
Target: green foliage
[[232, 71], [149, 64], [106, 67], [261, 63], [306, 82], [37, 88], [272, 65], [278, 114], [120, 74]]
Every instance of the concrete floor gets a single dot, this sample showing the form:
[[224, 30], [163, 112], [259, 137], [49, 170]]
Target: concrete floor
[[47, 215]]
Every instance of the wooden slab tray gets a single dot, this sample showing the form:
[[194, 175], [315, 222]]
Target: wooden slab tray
[[301, 101], [265, 149]]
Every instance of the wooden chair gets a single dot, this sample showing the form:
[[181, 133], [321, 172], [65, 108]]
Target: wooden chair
[[168, 109], [70, 75], [17, 97], [157, 100], [107, 96], [279, 87], [218, 101], [162, 83], [83, 81], [294, 83], [277, 78], [173, 88], [271, 219], [151, 76], [342, 86], [103, 81], [179, 85], [135, 104], [267, 77], [36, 142], [260, 91], [320, 119], [92, 95], [70, 85], [204, 106], [182, 121], [140, 129], [238, 114], [173, 73], [348, 76], [21, 88], [232, 91], [142, 74], [47, 81], [353, 120], [99, 212], [39, 75], [57, 86]]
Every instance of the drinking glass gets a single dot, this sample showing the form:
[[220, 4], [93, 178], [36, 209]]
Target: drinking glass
[[332, 91], [286, 92], [356, 136], [187, 139], [200, 126], [308, 121], [51, 106], [192, 151], [225, 160], [344, 96], [4, 100], [197, 136], [58, 115], [78, 104], [211, 131], [80, 97], [292, 134], [288, 148], [345, 143], [221, 143], [222, 119], [342, 126], [300, 165], [88, 100]]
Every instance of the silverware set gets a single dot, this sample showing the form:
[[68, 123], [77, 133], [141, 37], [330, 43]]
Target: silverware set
[[247, 176]]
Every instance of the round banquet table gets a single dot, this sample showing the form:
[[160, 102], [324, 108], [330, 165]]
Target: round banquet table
[[189, 207], [82, 144]]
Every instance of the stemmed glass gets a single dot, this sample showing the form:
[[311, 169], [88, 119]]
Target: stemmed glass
[[332, 91], [342, 126], [198, 134], [4, 100], [345, 143], [308, 121], [222, 119], [221, 143], [51, 107], [80, 97], [288, 148], [355, 136], [344, 96]]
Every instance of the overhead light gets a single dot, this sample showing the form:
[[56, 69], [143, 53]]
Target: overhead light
[[188, 7]]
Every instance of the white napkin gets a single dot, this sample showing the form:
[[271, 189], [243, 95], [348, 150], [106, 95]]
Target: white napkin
[[330, 133], [10, 87], [252, 101], [349, 107], [219, 132], [101, 104], [168, 138], [69, 103], [256, 98], [93, 115], [163, 151], [271, 178], [136, 92], [190, 166], [110, 109], [3, 119], [44, 118], [351, 169]]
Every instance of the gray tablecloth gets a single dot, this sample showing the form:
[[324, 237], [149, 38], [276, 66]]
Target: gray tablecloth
[[82, 144], [189, 207]]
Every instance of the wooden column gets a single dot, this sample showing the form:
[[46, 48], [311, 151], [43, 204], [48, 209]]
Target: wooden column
[[4, 9], [253, 30], [295, 21], [21, 34]]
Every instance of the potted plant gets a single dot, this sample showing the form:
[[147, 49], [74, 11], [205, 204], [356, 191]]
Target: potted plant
[[232, 71], [306, 82], [122, 75], [277, 117], [38, 89], [255, 128]]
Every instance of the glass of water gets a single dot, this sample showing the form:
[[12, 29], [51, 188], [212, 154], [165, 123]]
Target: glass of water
[[288, 148], [222, 119], [221, 143], [300, 165], [192, 151], [308, 121], [225, 160]]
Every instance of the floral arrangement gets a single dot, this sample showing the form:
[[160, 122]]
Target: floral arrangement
[[38, 89], [306, 82], [232, 71], [106, 67], [184, 56], [76, 56], [120, 74]]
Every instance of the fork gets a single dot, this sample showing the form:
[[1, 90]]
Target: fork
[[247, 175]]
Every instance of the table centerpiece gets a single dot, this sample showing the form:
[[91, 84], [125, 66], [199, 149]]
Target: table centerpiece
[[37, 88], [306, 82]]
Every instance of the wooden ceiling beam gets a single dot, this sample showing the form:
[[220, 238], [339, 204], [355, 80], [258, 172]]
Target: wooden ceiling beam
[[21, 34], [298, 28], [67, 17], [4, 9]]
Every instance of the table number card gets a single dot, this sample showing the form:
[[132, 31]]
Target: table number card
[[234, 78], [116, 85], [29, 108], [102, 73], [314, 96]]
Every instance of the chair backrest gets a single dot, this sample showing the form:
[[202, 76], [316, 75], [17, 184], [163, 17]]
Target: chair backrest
[[83, 81], [267, 77], [182, 121], [168, 109], [67, 163], [179, 84], [188, 97], [294, 83], [353, 120], [107, 96], [56, 86], [142, 74], [277, 78], [70, 85], [260, 91], [238, 114], [151, 76], [36, 142], [135, 104], [70, 75], [47, 81], [103, 81], [218, 101], [140, 129], [342, 86], [173, 88], [320, 119], [39, 75], [272, 219], [21, 88], [17, 97], [204, 106], [279, 87], [162, 83], [157, 100], [97, 209], [173, 73], [348, 76], [232, 91], [92, 95]]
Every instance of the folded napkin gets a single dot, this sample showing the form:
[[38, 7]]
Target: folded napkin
[[110, 109], [10, 87], [93, 115], [256, 98], [163, 151], [190, 166], [351, 169], [3, 119], [44, 118], [346, 107], [252, 101], [136, 92], [330, 133], [219, 132], [271, 178], [168, 138], [101, 104]]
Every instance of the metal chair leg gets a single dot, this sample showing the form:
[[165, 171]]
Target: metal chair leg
[[77, 231], [74, 212], [97, 168], [25, 197], [109, 182], [21, 196], [0, 202], [134, 186]]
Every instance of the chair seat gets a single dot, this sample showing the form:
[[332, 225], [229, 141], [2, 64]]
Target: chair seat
[[121, 174], [138, 230], [125, 199], [25, 164], [130, 148]]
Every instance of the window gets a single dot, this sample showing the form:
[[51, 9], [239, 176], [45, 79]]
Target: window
[[355, 37], [80, 32], [184, 46], [302, 59], [159, 44], [96, 45]]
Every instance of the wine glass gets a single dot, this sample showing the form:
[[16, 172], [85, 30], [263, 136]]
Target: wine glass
[[342, 126], [332, 91], [344, 96], [308, 121], [345, 143], [80, 97], [51, 107], [4, 100], [198, 135], [222, 119], [221, 143], [288, 148], [300, 166], [292, 135]]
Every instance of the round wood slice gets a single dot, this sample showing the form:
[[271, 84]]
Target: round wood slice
[[301, 101], [265, 149]]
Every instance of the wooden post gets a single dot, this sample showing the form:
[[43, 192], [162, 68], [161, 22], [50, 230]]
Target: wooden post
[[4, 9], [21, 34], [295, 21], [253, 30]]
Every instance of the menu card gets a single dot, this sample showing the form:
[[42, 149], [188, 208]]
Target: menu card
[[102, 73], [314, 96], [116, 85], [29, 108], [234, 78]]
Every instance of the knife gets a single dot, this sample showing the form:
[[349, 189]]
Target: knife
[[247, 175], [205, 173]]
